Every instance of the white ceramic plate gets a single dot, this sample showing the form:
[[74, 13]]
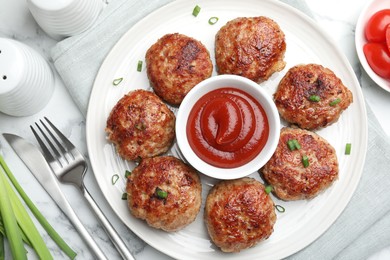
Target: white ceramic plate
[[304, 221], [371, 8]]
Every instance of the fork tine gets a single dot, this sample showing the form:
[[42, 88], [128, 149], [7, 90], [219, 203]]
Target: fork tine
[[49, 142], [48, 155], [64, 149], [63, 138], [59, 145]]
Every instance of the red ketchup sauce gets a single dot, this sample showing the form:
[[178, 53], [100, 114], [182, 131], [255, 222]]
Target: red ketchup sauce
[[227, 128]]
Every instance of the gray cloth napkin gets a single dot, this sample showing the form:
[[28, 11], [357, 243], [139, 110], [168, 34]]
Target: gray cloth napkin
[[78, 58], [364, 226]]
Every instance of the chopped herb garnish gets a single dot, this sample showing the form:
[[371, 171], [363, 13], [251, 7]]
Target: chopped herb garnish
[[268, 189], [196, 10], [117, 81], [348, 148], [293, 144], [124, 196], [335, 102], [314, 98], [280, 208], [297, 145], [127, 173], [213, 20], [161, 194], [114, 178], [305, 161], [139, 66]]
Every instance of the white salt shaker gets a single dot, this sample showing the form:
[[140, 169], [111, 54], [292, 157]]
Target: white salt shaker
[[63, 18], [26, 79]]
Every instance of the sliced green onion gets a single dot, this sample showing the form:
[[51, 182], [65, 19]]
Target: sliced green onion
[[213, 20], [314, 98], [38, 215], [305, 161], [124, 196], [127, 173], [335, 102], [293, 144], [196, 10], [139, 66], [11, 227], [161, 194], [348, 148], [268, 189], [117, 81], [280, 208], [296, 144], [114, 178]]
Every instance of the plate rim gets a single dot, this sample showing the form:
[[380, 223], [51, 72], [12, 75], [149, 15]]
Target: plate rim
[[310, 22]]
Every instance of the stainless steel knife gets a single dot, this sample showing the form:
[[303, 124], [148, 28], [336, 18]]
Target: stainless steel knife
[[37, 164]]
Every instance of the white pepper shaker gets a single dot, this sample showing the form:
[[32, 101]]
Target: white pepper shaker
[[26, 79]]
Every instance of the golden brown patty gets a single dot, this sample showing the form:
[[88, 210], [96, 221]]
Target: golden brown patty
[[286, 172], [141, 125], [175, 64], [250, 47], [303, 82], [239, 214], [156, 177]]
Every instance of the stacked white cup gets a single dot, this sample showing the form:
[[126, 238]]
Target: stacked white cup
[[63, 18], [26, 79]]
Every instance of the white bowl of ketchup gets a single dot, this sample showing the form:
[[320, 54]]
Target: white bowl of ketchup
[[227, 127]]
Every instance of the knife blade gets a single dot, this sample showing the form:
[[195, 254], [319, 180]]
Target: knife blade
[[36, 163]]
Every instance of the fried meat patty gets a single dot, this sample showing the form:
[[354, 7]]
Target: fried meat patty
[[239, 214], [285, 171], [175, 64], [141, 125], [311, 96], [251, 47], [165, 192]]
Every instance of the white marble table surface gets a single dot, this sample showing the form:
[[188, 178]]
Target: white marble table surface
[[337, 17]]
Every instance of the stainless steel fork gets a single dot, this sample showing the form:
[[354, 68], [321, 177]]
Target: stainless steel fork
[[70, 166]]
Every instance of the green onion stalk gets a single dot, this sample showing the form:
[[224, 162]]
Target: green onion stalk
[[2, 232], [2, 253], [26, 224], [11, 227], [42, 220]]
